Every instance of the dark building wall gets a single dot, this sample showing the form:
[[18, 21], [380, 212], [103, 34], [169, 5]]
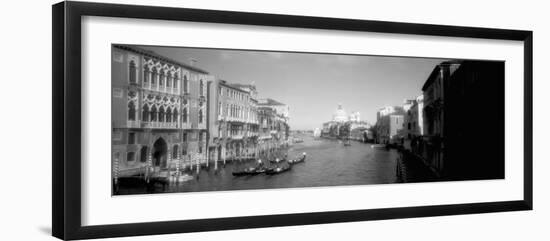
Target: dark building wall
[[474, 121]]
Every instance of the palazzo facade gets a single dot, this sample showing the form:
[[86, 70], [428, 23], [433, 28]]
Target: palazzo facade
[[158, 110]]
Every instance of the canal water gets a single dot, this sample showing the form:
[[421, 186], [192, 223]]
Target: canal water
[[328, 163]]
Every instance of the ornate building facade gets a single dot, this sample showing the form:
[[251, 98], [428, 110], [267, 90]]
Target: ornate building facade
[[237, 124], [159, 111], [274, 130]]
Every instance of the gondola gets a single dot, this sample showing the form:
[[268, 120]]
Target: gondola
[[298, 160], [278, 169], [249, 171], [277, 160]]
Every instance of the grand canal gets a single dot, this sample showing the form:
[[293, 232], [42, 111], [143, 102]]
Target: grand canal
[[328, 163]]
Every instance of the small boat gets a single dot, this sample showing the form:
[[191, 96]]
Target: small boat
[[298, 140], [298, 160], [247, 171], [278, 169], [378, 146]]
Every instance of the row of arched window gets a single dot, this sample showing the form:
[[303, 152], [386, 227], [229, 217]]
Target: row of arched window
[[154, 114], [152, 76], [161, 114], [155, 76]]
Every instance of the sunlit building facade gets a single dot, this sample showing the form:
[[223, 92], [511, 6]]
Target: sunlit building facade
[[237, 121], [389, 123], [158, 110]]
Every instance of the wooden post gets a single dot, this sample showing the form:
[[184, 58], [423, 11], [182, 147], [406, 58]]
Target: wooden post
[[179, 167], [207, 156], [216, 158], [224, 154]]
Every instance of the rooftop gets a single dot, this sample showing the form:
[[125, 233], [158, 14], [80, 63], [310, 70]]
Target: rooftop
[[268, 101], [152, 54], [232, 86]]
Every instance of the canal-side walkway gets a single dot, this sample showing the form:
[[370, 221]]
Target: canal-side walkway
[[411, 168]]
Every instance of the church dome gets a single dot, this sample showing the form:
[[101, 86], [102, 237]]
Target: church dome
[[340, 114]]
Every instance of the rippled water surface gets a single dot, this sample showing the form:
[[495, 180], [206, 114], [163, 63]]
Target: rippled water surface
[[328, 163]]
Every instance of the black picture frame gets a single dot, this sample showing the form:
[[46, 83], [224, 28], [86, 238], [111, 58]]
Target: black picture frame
[[66, 127]]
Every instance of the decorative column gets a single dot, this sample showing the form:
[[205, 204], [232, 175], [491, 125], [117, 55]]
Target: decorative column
[[149, 165], [178, 166], [115, 174], [198, 162], [168, 160]]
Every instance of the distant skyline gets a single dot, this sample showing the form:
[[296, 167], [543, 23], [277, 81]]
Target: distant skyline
[[313, 85]]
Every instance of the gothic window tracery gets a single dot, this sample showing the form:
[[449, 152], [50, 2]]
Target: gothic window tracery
[[132, 72], [161, 114], [145, 113], [131, 111]]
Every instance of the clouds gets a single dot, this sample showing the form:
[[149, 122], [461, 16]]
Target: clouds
[[313, 84]]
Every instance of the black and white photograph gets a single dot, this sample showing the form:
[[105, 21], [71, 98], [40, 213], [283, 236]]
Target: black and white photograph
[[201, 119]]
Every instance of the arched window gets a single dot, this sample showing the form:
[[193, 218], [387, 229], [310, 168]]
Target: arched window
[[161, 114], [200, 116], [161, 78], [146, 74], [169, 80], [154, 76], [145, 113], [185, 84], [175, 152], [143, 154], [176, 81], [132, 72], [184, 115], [154, 113], [175, 115], [131, 111], [169, 115]]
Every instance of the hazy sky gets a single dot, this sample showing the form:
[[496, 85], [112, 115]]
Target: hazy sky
[[314, 84]]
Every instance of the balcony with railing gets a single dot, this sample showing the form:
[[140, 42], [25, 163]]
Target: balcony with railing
[[202, 125], [186, 125], [159, 125], [133, 124]]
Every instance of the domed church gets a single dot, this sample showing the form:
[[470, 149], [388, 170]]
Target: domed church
[[340, 114]]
